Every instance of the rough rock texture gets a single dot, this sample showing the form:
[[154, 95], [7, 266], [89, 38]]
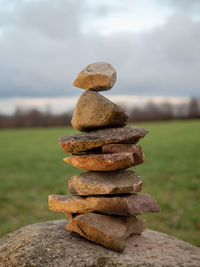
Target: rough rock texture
[[101, 162], [117, 148], [94, 139], [94, 111], [102, 183], [99, 76], [134, 204], [108, 231], [49, 244]]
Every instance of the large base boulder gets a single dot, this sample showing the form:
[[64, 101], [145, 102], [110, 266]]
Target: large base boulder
[[49, 244]]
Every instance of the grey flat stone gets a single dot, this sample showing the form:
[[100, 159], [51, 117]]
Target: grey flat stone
[[49, 244], [102, 183], [87, 141]]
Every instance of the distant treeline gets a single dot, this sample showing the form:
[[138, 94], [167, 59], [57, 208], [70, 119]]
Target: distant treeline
[[166, 111], [149, 112]]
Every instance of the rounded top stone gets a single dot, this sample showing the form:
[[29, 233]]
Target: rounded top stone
[[98, 76]]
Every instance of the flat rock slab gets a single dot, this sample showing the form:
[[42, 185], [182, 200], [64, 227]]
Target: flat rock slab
[[108, 231], [102, 183], [119, 148], [99, 76], [101, 162], [49, 244], [94, 139], [129, 205], [94, 111]]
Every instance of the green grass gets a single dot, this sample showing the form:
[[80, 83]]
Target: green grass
[[31, 168]]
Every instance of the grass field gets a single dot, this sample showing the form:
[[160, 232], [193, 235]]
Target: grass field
[[31, 168]]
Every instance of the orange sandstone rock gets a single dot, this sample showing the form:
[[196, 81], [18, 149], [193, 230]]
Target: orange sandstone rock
[[101, 162], [108, 231], [127, 205]]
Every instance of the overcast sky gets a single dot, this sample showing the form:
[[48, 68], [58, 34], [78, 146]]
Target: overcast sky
[[153, 45]]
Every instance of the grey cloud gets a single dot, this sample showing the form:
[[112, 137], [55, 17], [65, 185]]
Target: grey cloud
[[43, 49], [164, 61], [53, 18], [185, 6], [60, 19]]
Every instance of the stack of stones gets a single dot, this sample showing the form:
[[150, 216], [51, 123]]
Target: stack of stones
[[103, 205]]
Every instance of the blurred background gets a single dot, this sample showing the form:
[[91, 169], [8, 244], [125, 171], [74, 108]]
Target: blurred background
[[153, 45]]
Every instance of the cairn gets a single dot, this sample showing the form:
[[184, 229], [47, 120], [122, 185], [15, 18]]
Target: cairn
[[104, 201]]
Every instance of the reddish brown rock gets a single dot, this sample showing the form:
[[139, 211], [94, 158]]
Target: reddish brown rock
[[117, 148], [94, 139], [130, 205], [94, 111], [99, 76], [101, 162], [102, 183], [108, 231]]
